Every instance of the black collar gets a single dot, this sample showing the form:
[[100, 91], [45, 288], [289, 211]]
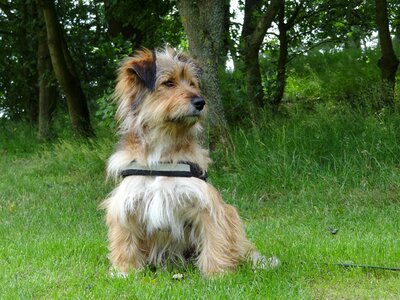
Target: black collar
[[180, 169]]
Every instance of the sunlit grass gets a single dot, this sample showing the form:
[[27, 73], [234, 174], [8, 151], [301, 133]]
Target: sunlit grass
[[291, 180]]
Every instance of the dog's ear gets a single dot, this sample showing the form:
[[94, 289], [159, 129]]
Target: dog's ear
[[144, 67]]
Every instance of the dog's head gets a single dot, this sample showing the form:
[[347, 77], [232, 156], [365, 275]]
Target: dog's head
[[158, 88]]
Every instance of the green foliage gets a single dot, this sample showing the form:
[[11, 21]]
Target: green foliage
[[313, 78], [233, 91], [106, 111], [348, 77], [18, 88], [95, 53], [150, 24]]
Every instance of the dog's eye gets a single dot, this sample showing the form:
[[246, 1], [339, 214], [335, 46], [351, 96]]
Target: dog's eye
[[192, 84], [169, 83]]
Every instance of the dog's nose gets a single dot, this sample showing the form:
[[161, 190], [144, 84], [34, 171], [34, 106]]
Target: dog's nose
[[198, 103]]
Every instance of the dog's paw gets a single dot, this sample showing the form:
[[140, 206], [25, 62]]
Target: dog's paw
[[273, 262], [115, 273], [260, 262]]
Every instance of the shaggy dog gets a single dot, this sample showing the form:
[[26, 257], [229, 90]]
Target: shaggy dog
[[163, 207]]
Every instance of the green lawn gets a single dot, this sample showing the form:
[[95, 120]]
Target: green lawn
[[291, 181]]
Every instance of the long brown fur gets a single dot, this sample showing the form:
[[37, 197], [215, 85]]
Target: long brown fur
[[151, 219]]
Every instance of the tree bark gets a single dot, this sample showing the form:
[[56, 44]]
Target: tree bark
[[227, 41], [203, 23], [282, 60], [65, 72], [388, 63], [253, 32], [47, 91]]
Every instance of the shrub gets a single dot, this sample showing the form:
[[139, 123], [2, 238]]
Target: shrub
[[350, 77]]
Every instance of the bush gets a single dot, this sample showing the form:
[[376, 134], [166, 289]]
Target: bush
[[234, 97], [349, 77], [106, 109]]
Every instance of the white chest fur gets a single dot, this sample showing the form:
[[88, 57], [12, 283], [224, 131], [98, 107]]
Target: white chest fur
[[160, 203]]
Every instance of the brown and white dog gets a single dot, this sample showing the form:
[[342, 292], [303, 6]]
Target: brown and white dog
[[163, 207]]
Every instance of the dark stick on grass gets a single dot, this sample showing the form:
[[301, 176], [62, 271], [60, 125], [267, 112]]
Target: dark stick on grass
[[348, 265]]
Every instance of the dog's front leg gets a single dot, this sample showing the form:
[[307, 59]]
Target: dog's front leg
[[212, 247], [125, 244], [222, 243]]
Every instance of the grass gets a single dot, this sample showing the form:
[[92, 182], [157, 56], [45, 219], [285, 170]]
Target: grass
[[290, 179]]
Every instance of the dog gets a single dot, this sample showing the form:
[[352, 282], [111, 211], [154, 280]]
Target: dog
[[164, 208]]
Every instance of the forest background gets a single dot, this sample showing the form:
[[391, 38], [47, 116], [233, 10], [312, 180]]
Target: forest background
[[303, 127]]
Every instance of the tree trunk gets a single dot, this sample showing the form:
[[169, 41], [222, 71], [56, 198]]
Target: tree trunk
[[65, 72], [388, 63], [253, 32], [203, 23], [47, 91], [282, 60], [255, 92], [228, 43]]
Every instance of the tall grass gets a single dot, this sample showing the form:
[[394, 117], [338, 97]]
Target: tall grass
[[333, 141]]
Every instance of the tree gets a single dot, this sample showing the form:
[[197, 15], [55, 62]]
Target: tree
[[284, 27], [47, 90], [203, 23], [388, 63], [65, 72], [253, 33]]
